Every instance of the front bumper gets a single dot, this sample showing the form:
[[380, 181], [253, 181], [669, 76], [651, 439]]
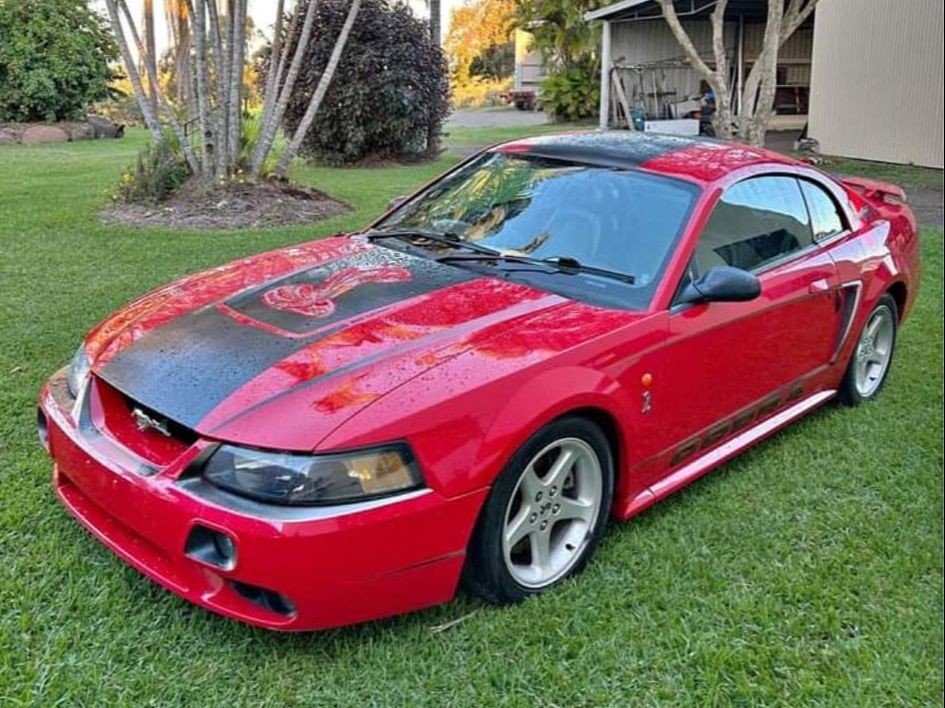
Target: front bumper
[[338, 567]]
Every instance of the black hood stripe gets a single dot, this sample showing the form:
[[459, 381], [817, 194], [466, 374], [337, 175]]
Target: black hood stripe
[[189, 366]]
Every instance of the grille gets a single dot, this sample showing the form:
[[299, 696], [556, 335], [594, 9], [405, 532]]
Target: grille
[[139, 429]]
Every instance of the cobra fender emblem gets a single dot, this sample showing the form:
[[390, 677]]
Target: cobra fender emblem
[[145, 422], [318, 300], [647, 396]]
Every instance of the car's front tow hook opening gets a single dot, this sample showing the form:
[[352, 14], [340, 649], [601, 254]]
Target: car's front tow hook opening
[[42, 428], [268, 600]]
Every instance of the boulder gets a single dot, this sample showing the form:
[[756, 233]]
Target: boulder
[[78, 131], [36, 134], [104, 128]]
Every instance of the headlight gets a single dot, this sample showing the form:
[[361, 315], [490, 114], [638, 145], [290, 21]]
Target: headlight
[[78, 371], [310, 480]]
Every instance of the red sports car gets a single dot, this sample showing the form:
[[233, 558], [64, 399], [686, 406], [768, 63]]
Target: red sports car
[[558, 330]]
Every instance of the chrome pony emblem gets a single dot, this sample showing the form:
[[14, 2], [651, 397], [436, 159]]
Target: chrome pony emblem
[[311, 300], [144, 422]]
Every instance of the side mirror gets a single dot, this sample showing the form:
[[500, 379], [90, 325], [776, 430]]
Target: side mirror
[[396, 202], [723, 284]]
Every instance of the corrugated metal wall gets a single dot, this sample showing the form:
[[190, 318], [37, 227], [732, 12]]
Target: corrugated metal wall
[[877, 80], [650, 41]]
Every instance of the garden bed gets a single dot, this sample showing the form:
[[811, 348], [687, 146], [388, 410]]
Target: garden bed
[[266, 204]]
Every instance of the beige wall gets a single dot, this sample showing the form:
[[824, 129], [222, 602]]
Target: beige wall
[[877, 80]]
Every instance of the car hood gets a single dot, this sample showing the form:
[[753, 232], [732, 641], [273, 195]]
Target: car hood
[[280, 349]]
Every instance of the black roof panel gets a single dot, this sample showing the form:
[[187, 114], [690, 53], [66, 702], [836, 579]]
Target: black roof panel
[[612, 148]]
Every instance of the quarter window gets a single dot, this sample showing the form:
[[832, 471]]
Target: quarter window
[[756, 222], [824, 215]]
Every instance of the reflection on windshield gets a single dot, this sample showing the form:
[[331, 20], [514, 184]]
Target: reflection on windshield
[[619, 220]]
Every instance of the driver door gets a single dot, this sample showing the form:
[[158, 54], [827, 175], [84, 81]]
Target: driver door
[[725, 359]]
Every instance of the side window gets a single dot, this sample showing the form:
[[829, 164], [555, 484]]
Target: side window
[[756, 222], [824, 215]]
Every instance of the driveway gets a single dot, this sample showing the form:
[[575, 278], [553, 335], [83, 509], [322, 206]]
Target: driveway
[[495, 117]]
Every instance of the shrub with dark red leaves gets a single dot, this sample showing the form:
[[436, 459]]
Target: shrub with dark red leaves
[[390, 86]]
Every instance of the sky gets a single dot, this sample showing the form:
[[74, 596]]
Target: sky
[[263, 13]]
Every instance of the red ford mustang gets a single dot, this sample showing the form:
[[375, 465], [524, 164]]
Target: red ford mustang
[[555, 331]]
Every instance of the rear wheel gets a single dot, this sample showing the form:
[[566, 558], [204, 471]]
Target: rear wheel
[[545, 515], [872, 357]]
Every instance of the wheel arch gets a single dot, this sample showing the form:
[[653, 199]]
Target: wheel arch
[[556, 394], [608, 425], [900, 294]]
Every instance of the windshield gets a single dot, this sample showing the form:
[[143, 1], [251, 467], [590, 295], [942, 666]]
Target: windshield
[[618, 220]]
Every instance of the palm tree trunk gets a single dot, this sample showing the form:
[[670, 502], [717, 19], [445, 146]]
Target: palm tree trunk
[[270, 125], [306, 123], [178, 21], [433, 128], [147, 110], [172, 121], [149, 55], [207, 123], [222, 81], [235, 98], [275, 61]]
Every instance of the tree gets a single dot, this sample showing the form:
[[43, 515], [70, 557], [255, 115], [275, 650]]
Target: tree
[[180, 67], [54, 59], [758, 91], [150, 53], [568, 46], [561, 35], [389, 85], [478, 29], [219, 52], [301, 130], [436, 36]]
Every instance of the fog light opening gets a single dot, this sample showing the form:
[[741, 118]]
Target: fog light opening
[[42, 427], [224, 546], [268, 600], [212, 547]]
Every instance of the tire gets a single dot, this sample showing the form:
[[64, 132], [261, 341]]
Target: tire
[[569, 510], [872, 356]]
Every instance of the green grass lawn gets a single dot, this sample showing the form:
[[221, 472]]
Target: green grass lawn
[[906, 176], [810, 570]]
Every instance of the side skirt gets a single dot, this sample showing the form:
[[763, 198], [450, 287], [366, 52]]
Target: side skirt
[[718, 455]]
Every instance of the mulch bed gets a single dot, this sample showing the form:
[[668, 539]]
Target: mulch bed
[[260, 205]]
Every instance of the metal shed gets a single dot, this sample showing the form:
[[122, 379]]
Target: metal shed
[[866, 75], [635, 36], [876, 85]]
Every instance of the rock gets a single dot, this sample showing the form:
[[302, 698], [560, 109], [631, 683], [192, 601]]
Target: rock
[[78, 131], [104, 128], [8, 136], [36, 134]]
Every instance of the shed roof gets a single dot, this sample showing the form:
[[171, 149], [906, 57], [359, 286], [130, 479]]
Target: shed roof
[[750, 10]]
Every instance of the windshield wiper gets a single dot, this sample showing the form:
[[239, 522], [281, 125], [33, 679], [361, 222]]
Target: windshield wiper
[[564, 264], [445, 238]]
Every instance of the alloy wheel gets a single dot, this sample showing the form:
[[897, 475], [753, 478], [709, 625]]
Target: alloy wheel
[[874, 351], [551, 515]]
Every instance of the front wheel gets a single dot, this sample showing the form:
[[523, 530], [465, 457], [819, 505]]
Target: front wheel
[[869, 365], [545, 515]]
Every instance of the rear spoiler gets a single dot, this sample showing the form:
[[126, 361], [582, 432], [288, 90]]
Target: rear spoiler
[[873, 190]]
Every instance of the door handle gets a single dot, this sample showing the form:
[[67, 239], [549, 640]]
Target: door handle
[[819, 286]]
